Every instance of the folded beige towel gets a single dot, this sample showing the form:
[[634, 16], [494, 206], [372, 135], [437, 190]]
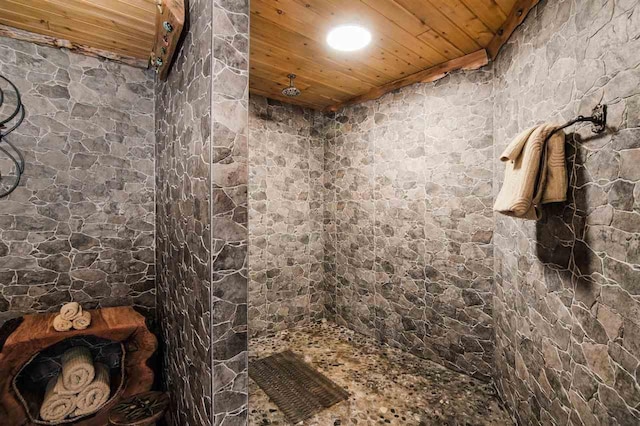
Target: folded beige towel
[[61, 324], [54, 406], [70, 311], [77, 369], [535, 173], [83, 321], [96, 394]]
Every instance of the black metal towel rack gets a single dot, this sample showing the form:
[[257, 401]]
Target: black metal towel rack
[[598, 118], [16, 117]]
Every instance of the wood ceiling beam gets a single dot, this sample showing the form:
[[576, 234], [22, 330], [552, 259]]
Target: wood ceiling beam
[[471, 61], [45, 40], [517, 15]]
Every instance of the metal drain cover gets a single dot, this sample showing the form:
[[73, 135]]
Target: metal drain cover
[[299, 390]]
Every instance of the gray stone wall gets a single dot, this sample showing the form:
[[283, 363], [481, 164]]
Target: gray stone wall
[[80, 225], [286, 199], [408, 220], [183, 181], [229, 227], [201, 125], [567, 296]]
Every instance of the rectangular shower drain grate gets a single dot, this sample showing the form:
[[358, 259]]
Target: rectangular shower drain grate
[[299, 390]]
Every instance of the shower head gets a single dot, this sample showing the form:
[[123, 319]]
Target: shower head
[[291, 91]]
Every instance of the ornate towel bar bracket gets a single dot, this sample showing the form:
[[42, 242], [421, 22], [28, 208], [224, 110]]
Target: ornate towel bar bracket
[[598, 118]]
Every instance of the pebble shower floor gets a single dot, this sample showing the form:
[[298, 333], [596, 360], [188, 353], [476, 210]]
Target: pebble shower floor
[[387, 385]]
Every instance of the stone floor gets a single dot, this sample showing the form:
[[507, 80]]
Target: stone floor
[[387, 386]]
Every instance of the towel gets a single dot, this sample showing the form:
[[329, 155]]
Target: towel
[[81, 322], [59, 388], [70, 311], [61, 324], [535, 173], [96, 394], [54, 406], [77, 369]]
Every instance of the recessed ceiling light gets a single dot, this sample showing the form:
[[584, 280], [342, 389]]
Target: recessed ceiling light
[[348, 38]]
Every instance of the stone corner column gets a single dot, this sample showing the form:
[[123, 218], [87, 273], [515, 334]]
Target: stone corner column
[[230, 96]]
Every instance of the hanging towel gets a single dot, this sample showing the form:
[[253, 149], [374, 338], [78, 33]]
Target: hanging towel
[[535, 173]]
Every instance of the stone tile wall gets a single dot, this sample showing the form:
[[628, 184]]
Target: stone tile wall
[[286, 151], [567, 300], [408, 221], [80, 226], [229, 224], [202, 122], [183, 182]]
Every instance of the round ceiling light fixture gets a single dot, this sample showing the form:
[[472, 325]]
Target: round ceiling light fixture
[[348, 38]]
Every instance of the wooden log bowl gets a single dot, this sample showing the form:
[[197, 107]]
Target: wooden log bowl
[[35, 333], [31, 393], [140, 410]]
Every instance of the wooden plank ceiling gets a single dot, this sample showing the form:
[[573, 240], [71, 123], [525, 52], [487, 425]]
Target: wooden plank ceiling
[[413, 40], [409, 36], [123, 27]]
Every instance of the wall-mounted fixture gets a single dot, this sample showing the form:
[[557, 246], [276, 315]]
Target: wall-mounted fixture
[[292, 91], [9, 121], [169, 23], [349, 38]]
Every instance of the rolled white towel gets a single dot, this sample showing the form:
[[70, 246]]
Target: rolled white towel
[[61, 324], [96, 394], [70, 311], [54, 406], [77, 369], [82, 321]]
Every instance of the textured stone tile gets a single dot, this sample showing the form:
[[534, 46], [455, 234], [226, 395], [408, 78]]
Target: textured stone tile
[[183, 227], [286, 200], [566, 285], [229, 233], [408, 224], [81, 224]]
